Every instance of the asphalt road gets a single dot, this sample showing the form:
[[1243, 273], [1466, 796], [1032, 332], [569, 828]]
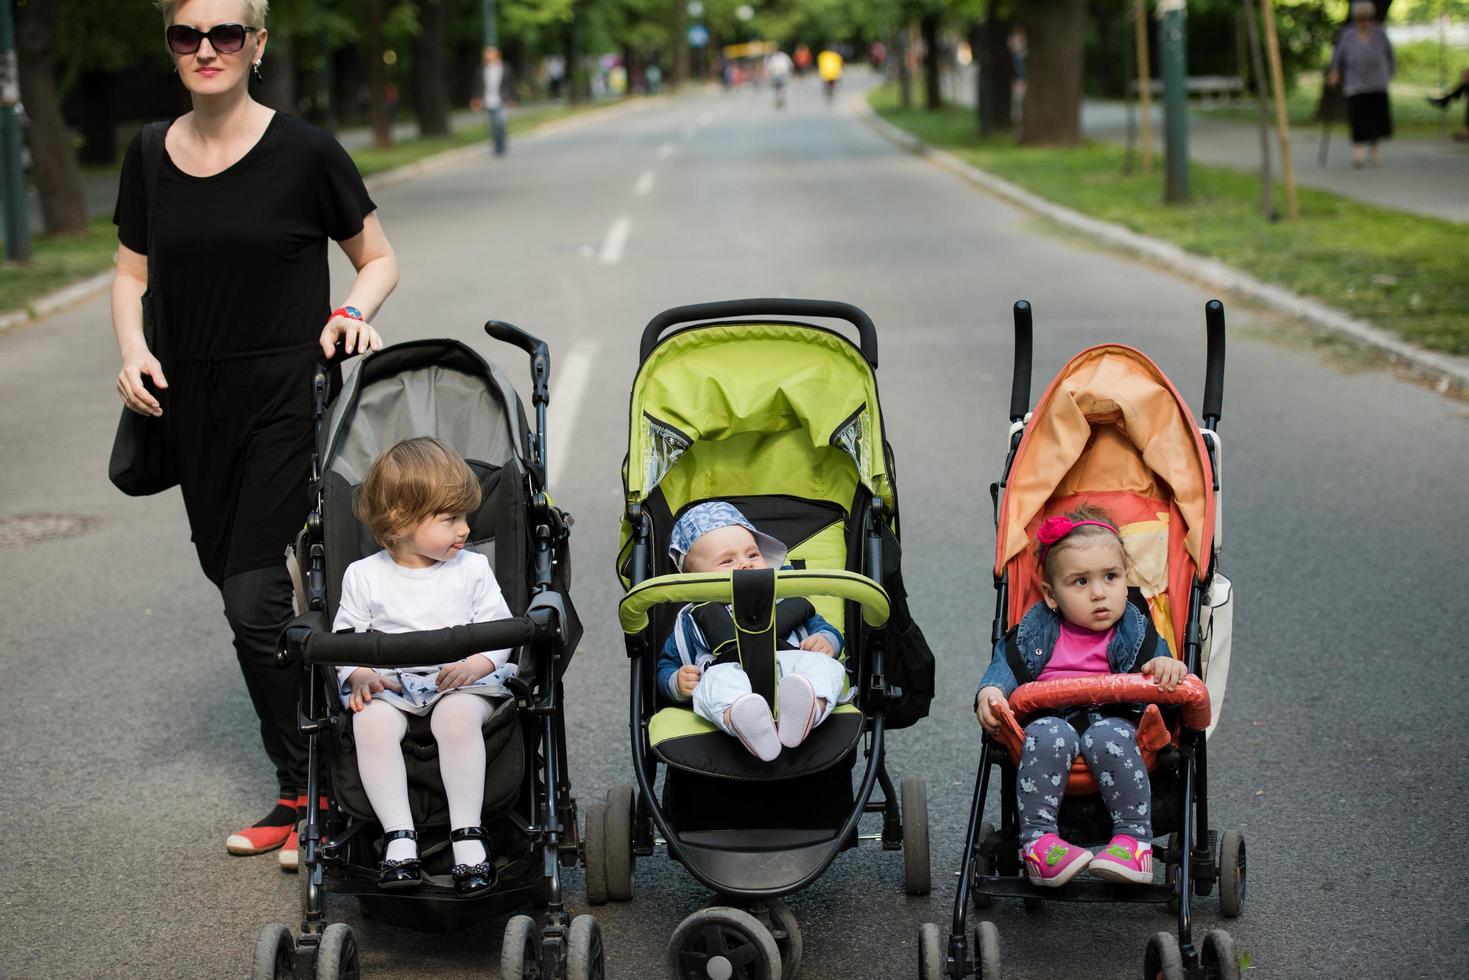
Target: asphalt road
[[129, 746]]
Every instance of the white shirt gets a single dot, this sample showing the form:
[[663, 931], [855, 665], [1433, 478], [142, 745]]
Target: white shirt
[[494, 76], [380, 594]]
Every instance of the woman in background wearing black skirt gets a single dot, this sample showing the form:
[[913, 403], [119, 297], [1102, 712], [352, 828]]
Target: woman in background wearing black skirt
[[1363, 64], [247, 199]]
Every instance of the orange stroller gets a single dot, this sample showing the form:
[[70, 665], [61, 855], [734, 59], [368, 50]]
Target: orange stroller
[[1112, 430]]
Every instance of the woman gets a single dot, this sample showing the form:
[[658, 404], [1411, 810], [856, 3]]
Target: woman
[[1363, 64], [246, 200]]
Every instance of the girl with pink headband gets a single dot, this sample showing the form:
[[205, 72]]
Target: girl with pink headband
[[1087, 623]]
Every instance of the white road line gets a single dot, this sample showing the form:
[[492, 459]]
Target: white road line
[[665, 151], [567, 388], [615, 241], [645, 183]]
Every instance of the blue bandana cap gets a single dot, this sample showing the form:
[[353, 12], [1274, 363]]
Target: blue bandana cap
[[700, 519]]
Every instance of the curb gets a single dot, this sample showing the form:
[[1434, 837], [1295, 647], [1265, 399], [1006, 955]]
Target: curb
[[1445, 370], [86, 289]]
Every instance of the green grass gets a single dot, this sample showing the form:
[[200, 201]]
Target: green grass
[[1412, 116], [1402, 272], [371, 161], [58, 261]]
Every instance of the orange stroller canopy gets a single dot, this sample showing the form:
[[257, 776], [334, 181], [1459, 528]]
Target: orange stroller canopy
[[1113, 431]]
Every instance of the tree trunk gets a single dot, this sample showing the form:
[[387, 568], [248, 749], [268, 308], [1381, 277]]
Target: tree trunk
[[1051, 112], [276, 86], [430, 85], [377, 78], [933, 96], [999, 69], [680, 44], [54, 168]]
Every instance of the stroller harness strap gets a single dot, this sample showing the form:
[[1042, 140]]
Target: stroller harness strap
[[750, 630]]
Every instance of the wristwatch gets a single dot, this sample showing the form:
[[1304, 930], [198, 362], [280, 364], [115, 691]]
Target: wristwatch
[[351, 312]]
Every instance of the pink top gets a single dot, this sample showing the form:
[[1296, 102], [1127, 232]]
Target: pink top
[[1079, 652]]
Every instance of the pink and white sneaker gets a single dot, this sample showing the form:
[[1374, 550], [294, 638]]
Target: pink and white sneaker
[[1051, 862], [1126, 859]]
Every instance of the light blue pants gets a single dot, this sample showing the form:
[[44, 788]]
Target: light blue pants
[[498, 131]]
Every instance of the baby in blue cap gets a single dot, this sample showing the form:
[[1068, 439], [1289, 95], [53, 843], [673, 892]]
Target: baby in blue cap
[[715, 537]]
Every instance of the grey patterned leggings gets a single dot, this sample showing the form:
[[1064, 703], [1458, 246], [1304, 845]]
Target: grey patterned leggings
[[1110, 749]]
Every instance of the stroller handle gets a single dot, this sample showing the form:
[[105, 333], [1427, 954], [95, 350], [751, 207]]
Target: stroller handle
[[424, 648], [1020, 378], [1214, 370], [632, 612], [866, 332]]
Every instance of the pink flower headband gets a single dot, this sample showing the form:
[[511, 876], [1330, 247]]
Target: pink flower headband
[[1053, 529]]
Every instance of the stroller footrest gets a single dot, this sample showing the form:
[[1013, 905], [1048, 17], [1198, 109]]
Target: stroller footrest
[[1079, 890]]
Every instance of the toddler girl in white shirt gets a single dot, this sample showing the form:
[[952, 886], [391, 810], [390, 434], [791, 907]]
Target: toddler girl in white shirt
[[416, 500]]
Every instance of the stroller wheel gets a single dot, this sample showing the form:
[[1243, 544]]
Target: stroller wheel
[[930, 952], [987, 950], [617, 842], [786, 932], [722, 943], [275, 954], [520, 951], [594, 853], [1220, 963], [1232, 874], [1162, 960], [336, 956], [584, 950], [983, 867], [916, 875]]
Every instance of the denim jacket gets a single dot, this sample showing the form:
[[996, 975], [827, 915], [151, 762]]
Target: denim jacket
[[1039, 630]]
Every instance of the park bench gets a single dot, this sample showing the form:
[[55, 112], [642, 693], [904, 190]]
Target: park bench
[[1208, 89]]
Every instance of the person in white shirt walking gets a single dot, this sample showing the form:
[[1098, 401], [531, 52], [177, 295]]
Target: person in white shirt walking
[[499, 95]]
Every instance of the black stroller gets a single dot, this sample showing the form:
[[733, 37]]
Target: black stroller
[[1112, 430], [780, 418], [444, 389]]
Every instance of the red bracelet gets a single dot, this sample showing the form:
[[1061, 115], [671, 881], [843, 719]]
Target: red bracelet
[[350, 312]]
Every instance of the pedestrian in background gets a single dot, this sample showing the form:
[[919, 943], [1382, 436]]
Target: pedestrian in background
[[1462, 90], [499, 95], [235, 227], [1363, 64]]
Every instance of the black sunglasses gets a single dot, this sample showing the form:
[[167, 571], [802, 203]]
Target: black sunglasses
[[223, 38]]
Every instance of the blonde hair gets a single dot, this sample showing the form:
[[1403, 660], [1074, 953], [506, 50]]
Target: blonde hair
[[255, 11], [415, 479], [1086, 512]]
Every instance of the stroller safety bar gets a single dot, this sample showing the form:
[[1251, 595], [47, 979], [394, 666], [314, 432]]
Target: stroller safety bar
[[424, 648], [633, 610], [1190, 694]]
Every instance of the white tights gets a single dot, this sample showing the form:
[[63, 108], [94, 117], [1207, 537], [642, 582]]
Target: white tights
[[456, 721]]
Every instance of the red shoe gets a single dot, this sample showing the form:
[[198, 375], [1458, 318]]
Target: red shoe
[[290, 855], [265, 835]]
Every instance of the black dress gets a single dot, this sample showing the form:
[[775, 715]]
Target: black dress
[[242, 274]]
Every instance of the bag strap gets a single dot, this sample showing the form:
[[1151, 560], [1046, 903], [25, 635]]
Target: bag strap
[[153, 134]]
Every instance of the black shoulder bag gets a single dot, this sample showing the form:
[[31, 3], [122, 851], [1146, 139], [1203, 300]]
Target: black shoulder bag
[[142, 462]]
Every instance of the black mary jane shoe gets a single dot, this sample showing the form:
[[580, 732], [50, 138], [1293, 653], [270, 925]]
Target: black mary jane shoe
[[396, 874], [471, 879]]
